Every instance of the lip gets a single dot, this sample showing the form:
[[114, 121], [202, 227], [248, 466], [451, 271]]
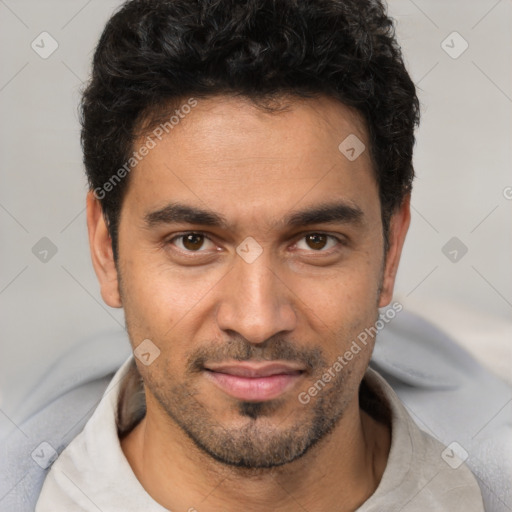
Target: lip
[[254, 382]]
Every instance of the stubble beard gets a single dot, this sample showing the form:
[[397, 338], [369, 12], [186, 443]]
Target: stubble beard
[[262, 441]]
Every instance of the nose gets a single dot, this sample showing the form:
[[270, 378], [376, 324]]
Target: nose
[[255, 302]]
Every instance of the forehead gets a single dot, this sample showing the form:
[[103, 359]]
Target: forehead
[[229, 155]]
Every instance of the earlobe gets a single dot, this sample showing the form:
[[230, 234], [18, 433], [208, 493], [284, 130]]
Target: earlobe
[[102, 255], [398, 226]]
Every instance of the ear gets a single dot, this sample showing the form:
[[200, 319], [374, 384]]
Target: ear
[[398, 226], [102, 255]]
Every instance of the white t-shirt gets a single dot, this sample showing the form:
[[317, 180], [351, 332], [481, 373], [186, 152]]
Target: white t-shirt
[[421, 475]]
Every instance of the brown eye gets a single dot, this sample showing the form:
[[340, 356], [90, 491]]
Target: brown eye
[[318, 242], [192, 242]]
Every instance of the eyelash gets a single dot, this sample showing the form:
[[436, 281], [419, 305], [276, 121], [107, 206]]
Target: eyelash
[[339, 241]]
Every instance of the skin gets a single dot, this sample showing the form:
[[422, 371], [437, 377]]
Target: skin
[[302, 300]]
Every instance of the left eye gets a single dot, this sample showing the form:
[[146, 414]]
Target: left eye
[[317, 242], [192, 242]]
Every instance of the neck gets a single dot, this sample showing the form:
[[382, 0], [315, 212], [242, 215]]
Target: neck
[[339, 473]]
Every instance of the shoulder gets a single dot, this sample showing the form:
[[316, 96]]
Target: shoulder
[[421, 473], [54, 414], [455, 399]]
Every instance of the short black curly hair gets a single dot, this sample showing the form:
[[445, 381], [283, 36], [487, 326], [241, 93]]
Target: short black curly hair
[[154, 53]]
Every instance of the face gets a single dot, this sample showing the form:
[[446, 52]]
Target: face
[[251, 255]]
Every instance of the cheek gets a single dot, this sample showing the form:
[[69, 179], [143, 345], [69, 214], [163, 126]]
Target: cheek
[[159, 299], [346, 292], [341, 305]]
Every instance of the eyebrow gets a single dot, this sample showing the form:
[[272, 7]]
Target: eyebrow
[[177, 213]]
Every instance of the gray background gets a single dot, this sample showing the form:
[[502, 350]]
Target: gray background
[[463, 162]]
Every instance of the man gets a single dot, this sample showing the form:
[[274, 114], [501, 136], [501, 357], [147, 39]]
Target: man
[[250, 175]]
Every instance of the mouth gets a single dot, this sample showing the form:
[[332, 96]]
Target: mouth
[[254, 382]]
